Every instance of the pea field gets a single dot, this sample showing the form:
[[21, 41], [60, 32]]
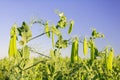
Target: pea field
[[99, 65]]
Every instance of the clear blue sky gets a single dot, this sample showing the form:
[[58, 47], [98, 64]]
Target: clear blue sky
[[104, 15]]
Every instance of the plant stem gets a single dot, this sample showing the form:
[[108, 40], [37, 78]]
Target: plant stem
[[38, 36], [40, 53]]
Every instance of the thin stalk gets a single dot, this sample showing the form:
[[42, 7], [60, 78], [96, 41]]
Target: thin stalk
[[38, 36], [40, 53], [33, 65]]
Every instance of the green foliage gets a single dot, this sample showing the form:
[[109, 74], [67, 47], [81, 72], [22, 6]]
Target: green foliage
[[95, 34], [102, 65], [57, 69], [62, 23], [61, 43]]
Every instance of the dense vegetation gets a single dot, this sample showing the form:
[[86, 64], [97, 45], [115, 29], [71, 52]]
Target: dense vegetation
[[57, 68], [101, 65]]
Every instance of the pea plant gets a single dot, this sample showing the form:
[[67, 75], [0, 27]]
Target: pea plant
[[101, 65]]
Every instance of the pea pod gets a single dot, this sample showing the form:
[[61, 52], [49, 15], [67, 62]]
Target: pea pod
[[13, 46], [85, 46], [92, 51], [74, 51], [53, 39], [70, 28], [110, 59], [47, 30]]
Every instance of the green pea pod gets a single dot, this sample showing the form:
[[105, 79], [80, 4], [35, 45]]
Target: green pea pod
[[53, 39], [47, 30], [13, 46], [110, 59], [71, 25], [10, 51], [85, 46], [92, 51], [74, 51]]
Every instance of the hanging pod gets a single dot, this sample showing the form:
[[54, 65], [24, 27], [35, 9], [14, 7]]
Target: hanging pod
[[85, 46], [92, 51], [74, 50], [70, 27], [110, 59], [47, 29], [53, 39], [12, 52]]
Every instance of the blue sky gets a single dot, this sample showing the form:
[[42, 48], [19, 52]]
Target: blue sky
[[104, 15]]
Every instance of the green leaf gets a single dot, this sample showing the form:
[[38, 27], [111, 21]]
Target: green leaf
[[71, 25], [25, 26], [96, 52], [20, 30], [65, 43], [61, 43], [62, 23], [94, 33]]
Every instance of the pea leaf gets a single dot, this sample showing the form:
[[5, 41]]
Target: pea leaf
[[25, 26]]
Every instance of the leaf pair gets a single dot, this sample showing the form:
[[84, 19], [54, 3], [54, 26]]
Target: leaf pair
[[95, 34], [25, 33], [62, 23], [61, 43]]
